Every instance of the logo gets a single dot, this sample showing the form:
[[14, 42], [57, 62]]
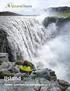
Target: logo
[[13, 5]]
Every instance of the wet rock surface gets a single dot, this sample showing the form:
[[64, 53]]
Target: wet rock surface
[[68, 89], [39, 80], [5, 49], [58, 20]]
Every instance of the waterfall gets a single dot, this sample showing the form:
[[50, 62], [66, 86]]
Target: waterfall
[[24, 35], [47, 46]]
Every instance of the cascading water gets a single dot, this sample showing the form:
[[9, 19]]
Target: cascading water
[[24, 35], [29, 39], [55, 53]]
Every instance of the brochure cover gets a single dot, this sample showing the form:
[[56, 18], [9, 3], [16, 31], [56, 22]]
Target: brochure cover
[[34, 45]]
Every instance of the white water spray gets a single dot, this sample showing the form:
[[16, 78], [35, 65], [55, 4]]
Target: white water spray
[[28, 37]]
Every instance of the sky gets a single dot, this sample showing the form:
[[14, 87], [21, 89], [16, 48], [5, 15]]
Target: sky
[[37, 5]]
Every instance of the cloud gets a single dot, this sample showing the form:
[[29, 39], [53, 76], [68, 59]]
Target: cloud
[[37, 5]]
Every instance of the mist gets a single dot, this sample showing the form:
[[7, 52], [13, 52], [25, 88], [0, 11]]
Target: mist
[[55, 54]]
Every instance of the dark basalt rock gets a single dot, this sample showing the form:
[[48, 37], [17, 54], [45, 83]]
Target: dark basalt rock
[[7, 13], [45, 73], [42, 76], [60, 9], [3, 57], [3, 41], [49, 20], [4, 45], [61, 21], [58, 21], [63, 84], [5, 73], [68, 89]]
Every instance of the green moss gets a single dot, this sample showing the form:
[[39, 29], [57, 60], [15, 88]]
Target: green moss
[[64, 14], [3, 74]]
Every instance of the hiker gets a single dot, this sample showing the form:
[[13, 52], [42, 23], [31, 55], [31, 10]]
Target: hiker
[[25, 67]]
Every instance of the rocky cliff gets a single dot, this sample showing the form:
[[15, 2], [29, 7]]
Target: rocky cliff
[[39, 80]]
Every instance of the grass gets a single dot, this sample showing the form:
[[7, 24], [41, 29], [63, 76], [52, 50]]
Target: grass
[[64, 14]]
